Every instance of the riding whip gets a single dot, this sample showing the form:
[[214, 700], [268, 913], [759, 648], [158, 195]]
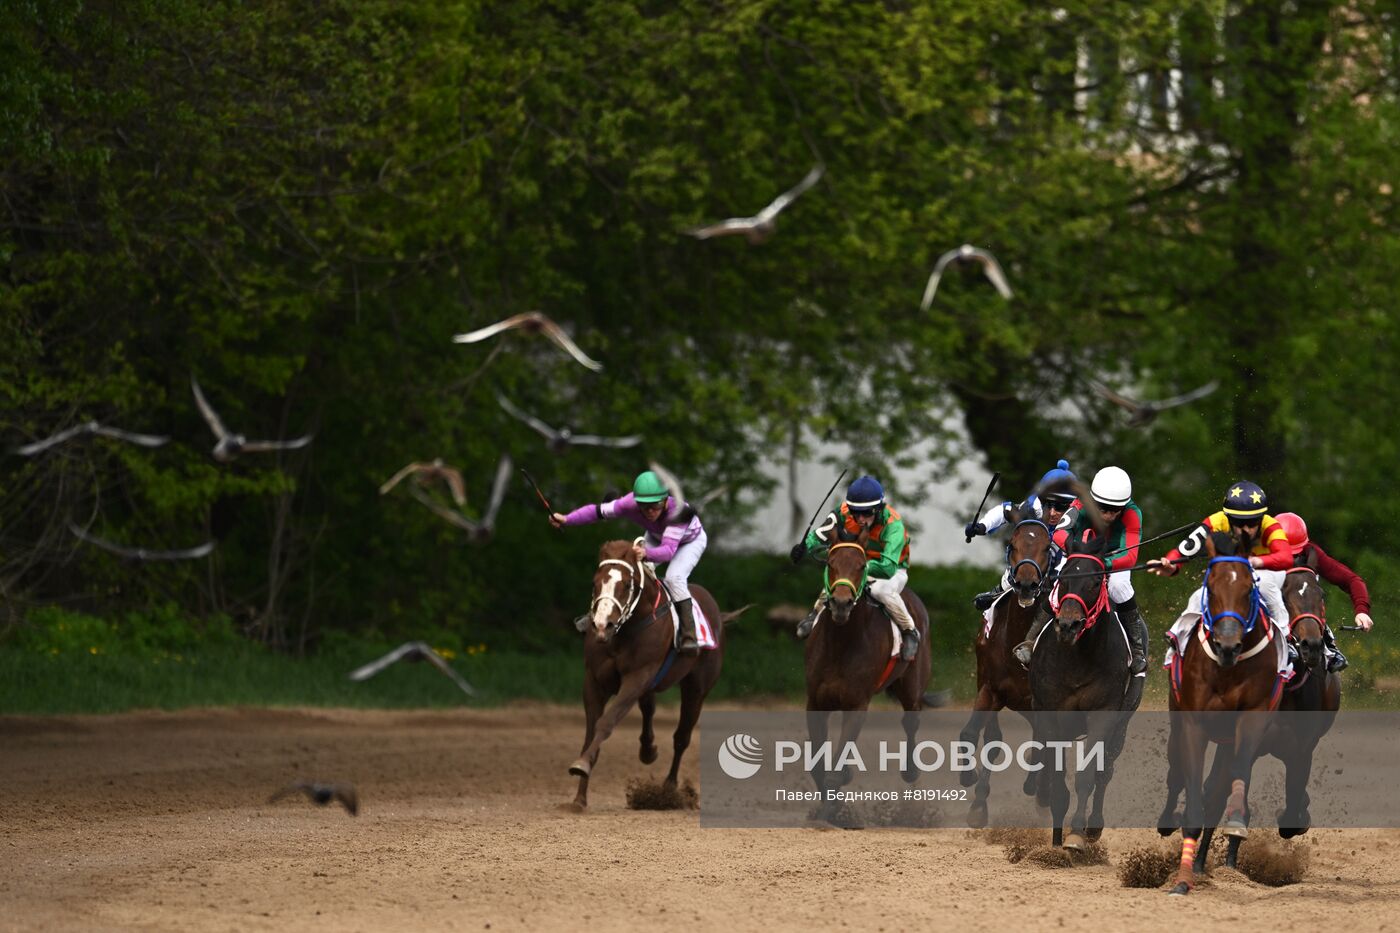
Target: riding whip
[[978, 513], [548, 509], [1166, 534]]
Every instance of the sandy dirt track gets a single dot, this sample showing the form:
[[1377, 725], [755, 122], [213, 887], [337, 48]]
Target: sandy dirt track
[[157, 821]]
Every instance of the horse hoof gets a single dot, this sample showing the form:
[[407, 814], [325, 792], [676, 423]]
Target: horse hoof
[[574, 806], [580, 768], [936, 698], [1180, 889], [1235, 828], [1075, 842], [909, 776], [967, 778], [647, 754], [977, 816], [1093, 833], [1029, 785]]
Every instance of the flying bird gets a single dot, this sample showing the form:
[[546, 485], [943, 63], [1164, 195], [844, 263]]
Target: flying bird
[[762, 225], [482, 530], [142, 554], [967, 253], [91, 427], [412, 651], [533, 322], [425, 473], [1142, 414], [562, 439], [231, 445], [322, 794]]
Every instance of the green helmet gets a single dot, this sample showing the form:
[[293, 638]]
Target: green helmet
[[649, 488]]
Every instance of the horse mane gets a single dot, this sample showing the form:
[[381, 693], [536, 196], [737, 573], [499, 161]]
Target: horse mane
[[1224, 543], [615, 550], [1306, 558]]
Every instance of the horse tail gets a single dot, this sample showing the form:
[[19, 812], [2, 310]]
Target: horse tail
[[726, 617]]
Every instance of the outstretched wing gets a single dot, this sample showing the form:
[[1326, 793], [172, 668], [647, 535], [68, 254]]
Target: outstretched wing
[[258, 447], [712, 495], [673, 486], [535, 423], [145, 440], [594, 440], [556, 333], [29, 450], [443, 512], [1191, 396], [492, 330], [453, 477], [1120, 400], [439, 662], [394, 480], [207, 410], [932, 287], [378, 664], [994, 273], [498, 491], [787, 197], [730, 227]]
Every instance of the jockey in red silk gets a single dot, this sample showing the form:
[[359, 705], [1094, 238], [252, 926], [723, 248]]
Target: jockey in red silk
[[1112, 492], [1334, 572], [674, 536], [1245, 514], [886, 551], [1050, 501]]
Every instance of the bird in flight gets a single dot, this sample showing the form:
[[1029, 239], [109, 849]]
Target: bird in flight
[[482, 530], [967, 253], [322, 794], [762, 225], [426, 473], [533, 322], [231, 445], [141, 554], [1142, 414], [91, 427], [562, 439], [412, 651]]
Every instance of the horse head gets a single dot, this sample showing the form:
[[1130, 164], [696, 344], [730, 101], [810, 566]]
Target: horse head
[[845, 574], [1302, 597], [1081, 595], [617, 588], [1027, 555], [1232, 602]]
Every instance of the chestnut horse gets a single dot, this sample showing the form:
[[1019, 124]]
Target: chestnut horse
[[1002, 681], [628, 655], [852, 655], [1081, 665], [1228, 664]]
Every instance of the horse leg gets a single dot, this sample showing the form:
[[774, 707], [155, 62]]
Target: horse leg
[[1216, 790], [633, 686], [692, 698], [1059, 789], [1169, 821], [1249, 733], [977, 812], [852, 721], [593, 700], [1192, 746], [1295, 819], [971, 733], [647, 704], [818, 722]]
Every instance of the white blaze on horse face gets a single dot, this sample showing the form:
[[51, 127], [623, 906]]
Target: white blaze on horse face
[[607, 596]]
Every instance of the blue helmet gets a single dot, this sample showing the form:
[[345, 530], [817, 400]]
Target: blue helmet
[[865, 494], [1245, 501], [1057, 476]]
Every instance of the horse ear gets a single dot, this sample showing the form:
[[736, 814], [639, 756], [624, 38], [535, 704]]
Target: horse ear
[[1308, 559], [844, 536]]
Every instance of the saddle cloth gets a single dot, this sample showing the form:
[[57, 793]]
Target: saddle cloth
[[703, 633]]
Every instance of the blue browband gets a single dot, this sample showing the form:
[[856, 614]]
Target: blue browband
[[1209, 620]]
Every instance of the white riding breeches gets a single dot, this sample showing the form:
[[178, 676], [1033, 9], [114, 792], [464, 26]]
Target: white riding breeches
[[678, 570], [886, 593]]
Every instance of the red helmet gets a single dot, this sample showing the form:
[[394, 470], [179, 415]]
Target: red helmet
[[1296, 529]]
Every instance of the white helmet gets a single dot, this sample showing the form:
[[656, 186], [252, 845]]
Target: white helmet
[[1112, 486]]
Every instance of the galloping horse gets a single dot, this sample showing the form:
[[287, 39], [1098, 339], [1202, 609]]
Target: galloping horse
[[1001, 680], [628, 654], [1081, 666], [1227, 664], [853, 654]]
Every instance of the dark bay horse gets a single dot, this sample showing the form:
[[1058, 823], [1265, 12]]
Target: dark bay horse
[[1002, 681], [1080, 666], [628, 656], [1228, 664], [852, 655]]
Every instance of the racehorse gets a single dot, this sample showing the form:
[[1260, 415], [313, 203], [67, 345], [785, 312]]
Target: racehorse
[[1002, 681], [1081, 665], [853, 655], [1228, 664], [628, 655], [1306, 712]]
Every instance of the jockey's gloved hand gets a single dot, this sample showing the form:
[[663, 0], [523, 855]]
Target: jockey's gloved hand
[[798, 552], [974, 529]]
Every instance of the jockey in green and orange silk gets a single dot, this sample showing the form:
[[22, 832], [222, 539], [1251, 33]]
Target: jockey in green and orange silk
[[865, 512]]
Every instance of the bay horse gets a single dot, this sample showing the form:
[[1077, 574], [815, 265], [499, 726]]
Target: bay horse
[[629, 655], [852, 655], [1081, 665], [1228, 664], [1002, 681]]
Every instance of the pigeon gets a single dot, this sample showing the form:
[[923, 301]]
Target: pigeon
[[533, 322], [322, 794], [425, 473], [1144, 413], [413, 651], [966, 253], [91, 427], [142, 554], [763, 224], [231, 445], [480, 531], [562, 439]]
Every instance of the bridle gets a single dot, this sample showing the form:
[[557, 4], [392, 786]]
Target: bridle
[[1040, 572], [1293, 620], [1208, 619], [636, 583], [1091, 613], [831, 584]]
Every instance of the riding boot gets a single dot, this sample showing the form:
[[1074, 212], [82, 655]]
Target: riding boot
[[804, 628], [1136, 628], [983, 601], [1022, 652], [908, 643], [1336, 661], [687, 645]]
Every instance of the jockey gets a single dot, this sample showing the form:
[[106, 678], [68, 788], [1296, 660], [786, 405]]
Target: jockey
[[673, 533], [886, 550], [1244, 514], [1050, 501], [1334, 572], [1112, 492]]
